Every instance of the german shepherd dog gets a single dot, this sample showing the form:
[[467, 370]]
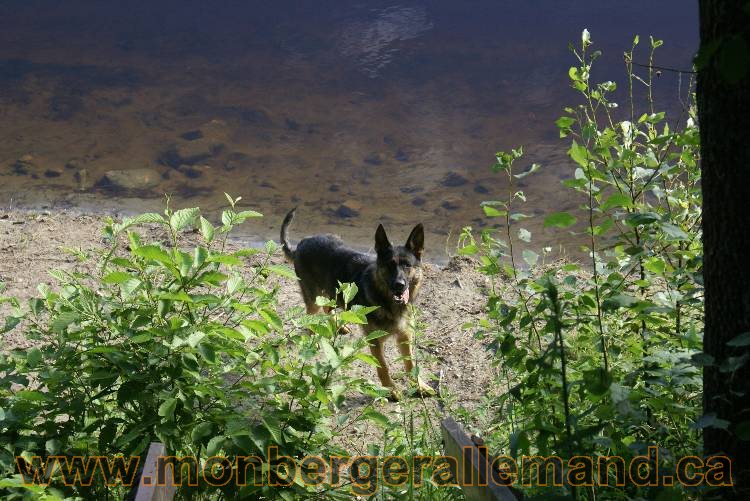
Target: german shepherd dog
[[389, 281]]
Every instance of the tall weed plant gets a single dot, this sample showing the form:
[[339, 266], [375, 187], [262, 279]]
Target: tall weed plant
[[601, 357]]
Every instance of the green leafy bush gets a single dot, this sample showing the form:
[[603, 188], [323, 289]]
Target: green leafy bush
[[154, 341], [601, 358]]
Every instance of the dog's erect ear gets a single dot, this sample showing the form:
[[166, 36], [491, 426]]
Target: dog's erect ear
[[381, 240], [415, 242]]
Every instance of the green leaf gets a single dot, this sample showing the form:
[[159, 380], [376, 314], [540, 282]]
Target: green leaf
[[179, 296], [201, 431], [234, 283], [166, 409], [330, 353], [368, 359], [245, 214], [597, 381], [141, 338], [200, 254], [282, 270], [207, 229], [619, 301], [63, 320], [490, 211], [530, 170], [153, 253], [127, 222], [468, 250], [353, 317], [530, 257], [215, 445], [130, 285], [377, 335], [560, 220], [212, 277], [10, 324], [33, 357], [376, 417], [642, 218], [256, 326], [674, 232], [273, 427], [32, 395], [227, 217], [116, 277], [348, 291], [565, 122], [519, 441], [617, 200], [36, 305], [195, 338], [207, 352], [272, 318], [225, 259], [602, 228], [579, 154], [518, 216], [183, 218], [655, 265]]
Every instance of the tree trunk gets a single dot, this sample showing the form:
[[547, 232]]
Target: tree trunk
[[724, 116]]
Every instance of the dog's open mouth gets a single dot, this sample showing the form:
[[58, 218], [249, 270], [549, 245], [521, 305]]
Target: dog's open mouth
[[402, 298]]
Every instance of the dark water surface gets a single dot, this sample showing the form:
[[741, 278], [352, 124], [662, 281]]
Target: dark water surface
[[357, 112]]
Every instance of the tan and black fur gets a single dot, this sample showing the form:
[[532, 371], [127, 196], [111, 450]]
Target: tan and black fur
[[389, 280]]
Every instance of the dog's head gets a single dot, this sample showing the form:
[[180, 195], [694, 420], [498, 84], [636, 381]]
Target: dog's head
[[399, 268]]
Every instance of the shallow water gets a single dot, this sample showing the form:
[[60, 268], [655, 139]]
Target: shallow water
[[357, 112]]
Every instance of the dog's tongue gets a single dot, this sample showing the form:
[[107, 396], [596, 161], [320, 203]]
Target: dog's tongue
[[405, 296]]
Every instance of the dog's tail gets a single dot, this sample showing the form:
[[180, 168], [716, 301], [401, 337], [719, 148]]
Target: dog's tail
[[288, 251]]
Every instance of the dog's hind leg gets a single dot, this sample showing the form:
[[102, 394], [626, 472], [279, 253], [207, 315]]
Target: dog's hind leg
[[309, 297], [403, 340]]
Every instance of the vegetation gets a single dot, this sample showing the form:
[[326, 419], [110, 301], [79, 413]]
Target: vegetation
[[184, 347], [603, 358], [187, 346]]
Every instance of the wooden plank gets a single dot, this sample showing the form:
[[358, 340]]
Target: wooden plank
[[474, 467], [146, 488]]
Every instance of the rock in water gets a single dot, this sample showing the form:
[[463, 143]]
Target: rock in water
[[347, 210], [454, 180], [24, 165], [131, 179], [190, 152]]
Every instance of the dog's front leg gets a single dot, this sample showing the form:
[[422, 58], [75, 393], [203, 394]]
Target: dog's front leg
[[376, 347], [403, 340]]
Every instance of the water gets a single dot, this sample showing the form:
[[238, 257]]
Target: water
[[357, 112]]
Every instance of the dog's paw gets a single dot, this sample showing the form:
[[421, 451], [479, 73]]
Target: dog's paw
[[395, 395], [424, 389]]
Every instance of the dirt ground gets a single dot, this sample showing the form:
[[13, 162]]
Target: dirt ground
[[31, 243]]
